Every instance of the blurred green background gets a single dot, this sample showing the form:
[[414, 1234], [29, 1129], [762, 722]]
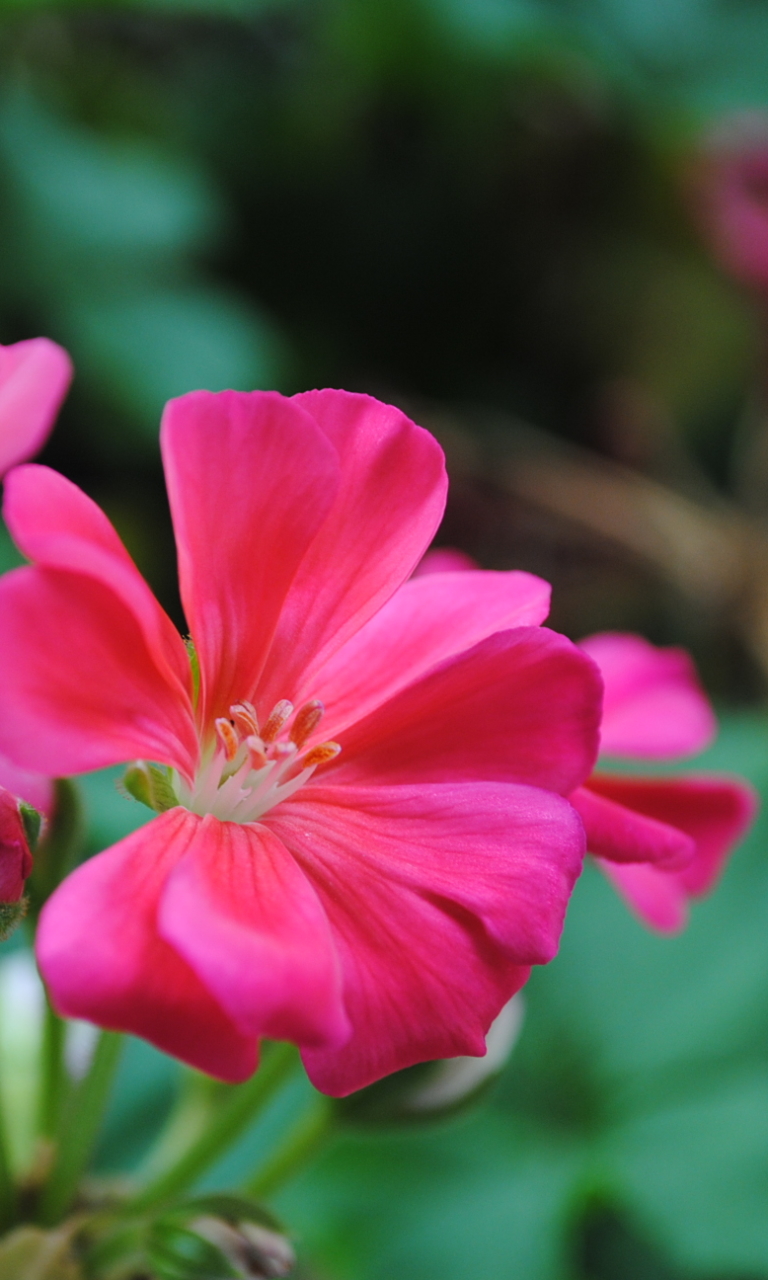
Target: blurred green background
[[490, 213]]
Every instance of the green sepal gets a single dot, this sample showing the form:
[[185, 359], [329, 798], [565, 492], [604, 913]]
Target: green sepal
[[175, 1253], [32, 821], [229, 1208], [151, 785], [11, 915]]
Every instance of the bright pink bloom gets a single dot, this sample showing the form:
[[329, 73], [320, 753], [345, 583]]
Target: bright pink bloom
[[34, 379], [15, 858], [661, 842], [379, 911]]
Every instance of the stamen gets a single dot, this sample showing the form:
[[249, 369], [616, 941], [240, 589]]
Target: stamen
[[257, 753], [277, 719], [228, 737], [320, 754], [307, 719], [244, 716]]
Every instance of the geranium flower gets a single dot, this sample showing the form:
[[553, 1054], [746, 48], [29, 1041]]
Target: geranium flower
[[370, 875], [660, 841], [34, 378]]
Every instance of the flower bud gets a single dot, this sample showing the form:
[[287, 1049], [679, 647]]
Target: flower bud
[[16, 821], [433, 1089], [254, 1251]]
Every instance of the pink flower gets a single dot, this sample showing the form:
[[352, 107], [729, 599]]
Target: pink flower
[[661, 842], [732, 197], [15, 858], [34, 378], [376, 904]]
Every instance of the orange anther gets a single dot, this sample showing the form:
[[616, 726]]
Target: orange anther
[[277, 719], [244, 716], [320, 754], [307, 719], [228, 737], [257, 751]]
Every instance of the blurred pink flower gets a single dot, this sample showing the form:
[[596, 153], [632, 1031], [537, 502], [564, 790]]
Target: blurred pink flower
[[731, 193], [15, 858], [34, 378], [378, 912], [661, 842]]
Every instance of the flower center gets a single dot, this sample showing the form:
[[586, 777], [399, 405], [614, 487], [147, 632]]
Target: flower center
[[251, 769]]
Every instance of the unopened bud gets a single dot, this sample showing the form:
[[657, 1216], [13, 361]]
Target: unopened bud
[[151, 785], [457, 1080], [15, 859], [255, 1252]]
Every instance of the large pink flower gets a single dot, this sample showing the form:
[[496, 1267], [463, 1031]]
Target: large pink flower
[[661, 842], [34, 378], [379, 904]]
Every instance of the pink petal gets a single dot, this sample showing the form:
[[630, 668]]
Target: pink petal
[[56, 525], [243, 915], [251, 478], [618, 833], [34, 378], [15, 858], [521, 706], [654, 704], [389, 503], [444, 560], [657, 897], [428, 620], [715, 812], [35, 788], [78, 687], [440, 898], [103, 959]]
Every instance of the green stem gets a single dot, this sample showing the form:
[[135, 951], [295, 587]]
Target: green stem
[[8, 1198], [300, 1145], [198, 1098], [239, 1107], [53, 1082], [80, 1129]]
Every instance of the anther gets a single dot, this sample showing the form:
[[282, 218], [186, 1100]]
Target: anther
[[228, 737], [256, 752], [307, 719], [277, 719], [320, 754], [244, 716]]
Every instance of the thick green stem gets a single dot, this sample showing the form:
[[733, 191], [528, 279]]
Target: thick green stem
[[237, 1109], [199, 1096], [54, 1083], [79, 1130], [300, 1145]]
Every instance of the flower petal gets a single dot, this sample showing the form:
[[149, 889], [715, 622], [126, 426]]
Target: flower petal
[[389, 503], [15, 858], [34, 378], [34, 788], [654, 704], [616, 832], [78, 687], [243, 915], [521, 706], [440, 898], [428, 620], [715, 812], [59, 527], [103, 959], [657, 897], [444, 560], [251, 478]]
